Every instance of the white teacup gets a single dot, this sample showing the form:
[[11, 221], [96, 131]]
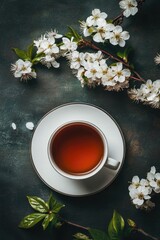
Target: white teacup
[[79, 150]]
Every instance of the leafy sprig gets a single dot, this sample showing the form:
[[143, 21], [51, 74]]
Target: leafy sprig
[[47, 212]]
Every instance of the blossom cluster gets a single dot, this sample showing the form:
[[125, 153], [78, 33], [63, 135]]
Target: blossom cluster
[[148, 93], [52, 50], [130, 7], [92, 69], [48, 50], [47, 45], [140, 190], [101, 30]]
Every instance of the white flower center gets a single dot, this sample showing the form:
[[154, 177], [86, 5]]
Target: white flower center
[[140, 196]]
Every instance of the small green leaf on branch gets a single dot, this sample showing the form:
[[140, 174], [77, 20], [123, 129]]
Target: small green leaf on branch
[[73, 33], [21, 53], [124, 55], [30, 50], [38, 58]]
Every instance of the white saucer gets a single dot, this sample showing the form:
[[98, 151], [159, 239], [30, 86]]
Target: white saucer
[[70, 112]]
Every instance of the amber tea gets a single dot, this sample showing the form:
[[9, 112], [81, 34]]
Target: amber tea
[[77, 148]]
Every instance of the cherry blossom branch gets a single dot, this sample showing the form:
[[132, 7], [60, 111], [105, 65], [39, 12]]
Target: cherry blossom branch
[[85, 43]]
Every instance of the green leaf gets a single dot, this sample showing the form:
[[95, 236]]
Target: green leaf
[[124, 55], [120, 54], [47, 220], [116, 226], [73, 33], [31, 220], [81, 236], [58, 225], [54, 206], [21, 53], [30, 50], [38, 58], [38, 204], [98, 234]]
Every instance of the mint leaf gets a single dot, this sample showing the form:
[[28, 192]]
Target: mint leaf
[[38, 204], [31, 220], [98, 234], [47, 220], [116, 226], [54, 206]]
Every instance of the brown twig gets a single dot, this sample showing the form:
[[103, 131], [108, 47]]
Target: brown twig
[[146, 234], [93, 46]]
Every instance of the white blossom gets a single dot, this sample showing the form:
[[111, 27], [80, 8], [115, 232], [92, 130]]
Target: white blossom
[[120, 74], [119, 36], [139, 195], [157, 59], [87, 30], [103, 31], [54, 34], [148, 93], [129, 7], [23, 70], [68, 45], [96, 15], [151, 174], [50, 61], [46, 45], [117, 77]]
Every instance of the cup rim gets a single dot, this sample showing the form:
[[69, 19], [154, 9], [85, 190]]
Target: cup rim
[[94, 170]]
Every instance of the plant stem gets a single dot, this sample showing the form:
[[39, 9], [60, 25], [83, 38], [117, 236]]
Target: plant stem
[[146, 234], [86, 228], [91, 45], [118, 19], [76, 225], [73, 224]]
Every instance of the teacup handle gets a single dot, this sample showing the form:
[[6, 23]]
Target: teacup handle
[[112, 163]]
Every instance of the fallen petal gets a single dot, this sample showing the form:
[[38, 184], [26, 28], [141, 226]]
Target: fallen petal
[[29, 125], [13, 125]]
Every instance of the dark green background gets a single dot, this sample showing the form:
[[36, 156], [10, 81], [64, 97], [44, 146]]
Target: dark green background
[[22, 21]]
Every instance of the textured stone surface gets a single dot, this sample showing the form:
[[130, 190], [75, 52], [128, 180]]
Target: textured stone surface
[[20, 23]]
